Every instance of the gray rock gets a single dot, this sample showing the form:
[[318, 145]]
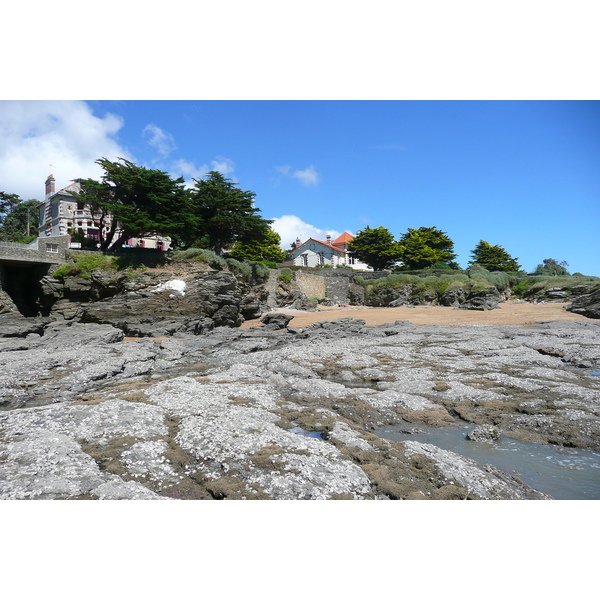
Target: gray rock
[[484, 433], [274, 321], [587, 305], [84, 415], [487, 299], [453, 297]]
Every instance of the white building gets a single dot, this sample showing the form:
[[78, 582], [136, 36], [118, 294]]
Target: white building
[[314, 253], [62, 214]]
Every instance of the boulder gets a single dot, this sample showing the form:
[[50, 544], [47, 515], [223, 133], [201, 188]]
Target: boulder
[[587, 305], [557, 293], [453, 297], [17, 326], [484, 433], [165, 305], [305, 303], [487, 299], [275, 321], [6, 304]]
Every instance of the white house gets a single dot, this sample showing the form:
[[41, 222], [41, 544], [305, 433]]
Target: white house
[[62, 214], [314, 253]]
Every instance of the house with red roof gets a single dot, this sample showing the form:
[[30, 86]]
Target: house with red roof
[[333, 253]]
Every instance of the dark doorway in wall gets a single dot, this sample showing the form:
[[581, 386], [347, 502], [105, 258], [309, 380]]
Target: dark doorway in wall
[[21, 281]]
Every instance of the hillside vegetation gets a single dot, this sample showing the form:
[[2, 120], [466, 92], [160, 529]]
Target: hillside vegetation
[[428, 286]]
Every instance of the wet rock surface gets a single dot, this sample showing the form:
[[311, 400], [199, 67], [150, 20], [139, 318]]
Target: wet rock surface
[[282, 414]]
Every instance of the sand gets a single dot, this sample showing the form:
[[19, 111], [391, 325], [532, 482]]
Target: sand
[[508, 313]]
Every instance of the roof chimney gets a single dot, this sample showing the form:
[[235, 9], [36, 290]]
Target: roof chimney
[[50, 185]]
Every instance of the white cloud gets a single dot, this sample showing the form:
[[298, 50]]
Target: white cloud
[[225, 166], [289, 227], [188, 170], [308, 176], [35, 134], [159, 139]]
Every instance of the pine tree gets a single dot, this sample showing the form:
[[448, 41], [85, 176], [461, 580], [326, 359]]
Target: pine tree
[[141, 201], [226, 213], [423, 247], [493, 258], [375, 247]]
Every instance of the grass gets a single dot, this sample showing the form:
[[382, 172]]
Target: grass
[[83, 265]]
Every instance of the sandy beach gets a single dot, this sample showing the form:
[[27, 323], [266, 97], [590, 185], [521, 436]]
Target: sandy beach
[[508, 313]]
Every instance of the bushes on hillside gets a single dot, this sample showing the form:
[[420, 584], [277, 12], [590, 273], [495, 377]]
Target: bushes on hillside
[[82, 265], [201, 254]]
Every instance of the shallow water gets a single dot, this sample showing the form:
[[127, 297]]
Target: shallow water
[[312, 434], [563, 473]]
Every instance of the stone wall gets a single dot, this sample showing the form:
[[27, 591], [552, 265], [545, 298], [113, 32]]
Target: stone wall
[[312, 286], [49, 250]]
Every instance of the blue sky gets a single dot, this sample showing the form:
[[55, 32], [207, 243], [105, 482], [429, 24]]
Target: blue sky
[[522, 174]]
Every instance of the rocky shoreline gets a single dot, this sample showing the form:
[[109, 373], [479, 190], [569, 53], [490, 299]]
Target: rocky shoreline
[[276, 412]]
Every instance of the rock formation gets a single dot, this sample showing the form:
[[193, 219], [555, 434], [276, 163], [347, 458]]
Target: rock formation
[[259, 414], [587, 305]]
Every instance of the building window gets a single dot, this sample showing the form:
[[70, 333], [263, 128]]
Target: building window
[[52, 248], [305, 260], [321, 258]]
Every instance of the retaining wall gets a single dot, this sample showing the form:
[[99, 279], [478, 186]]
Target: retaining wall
[[48, 250]]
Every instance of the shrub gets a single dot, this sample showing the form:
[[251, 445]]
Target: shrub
[[202, 255], [239, 268], [522, 287], [286, 275], [260, 272], [84, 264], [268, 263]]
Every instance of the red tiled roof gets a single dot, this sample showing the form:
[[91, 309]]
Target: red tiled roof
[[343, 239]]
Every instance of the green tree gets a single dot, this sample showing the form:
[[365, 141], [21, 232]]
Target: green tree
[[423, 247], [141, 201], [375, 247], [226, 213], [262, 248], [19, 221], [552, 267], [7, 203], [493, 258]]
